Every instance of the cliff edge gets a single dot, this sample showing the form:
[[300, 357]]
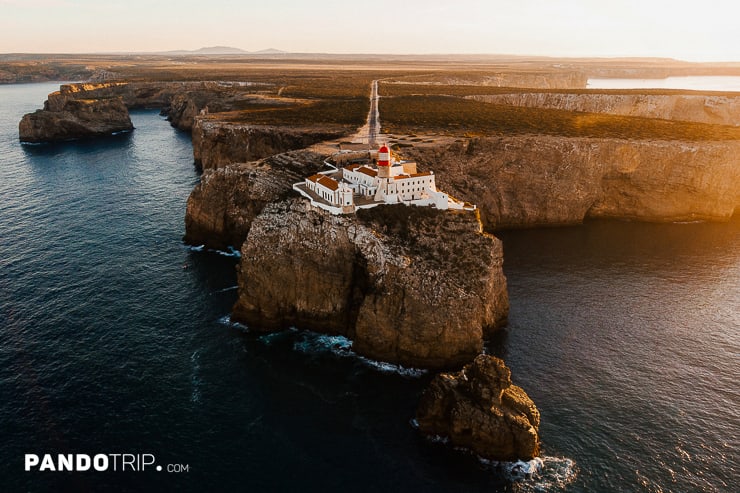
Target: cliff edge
[[544, 180]]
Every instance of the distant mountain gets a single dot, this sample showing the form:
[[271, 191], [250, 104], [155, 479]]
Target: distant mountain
[[270, 51], [223, 50], [219, 50]]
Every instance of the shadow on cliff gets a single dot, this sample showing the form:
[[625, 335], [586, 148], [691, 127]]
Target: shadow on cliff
[[78, 146]]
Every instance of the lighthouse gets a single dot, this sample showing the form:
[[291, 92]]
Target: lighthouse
[[384, 162]]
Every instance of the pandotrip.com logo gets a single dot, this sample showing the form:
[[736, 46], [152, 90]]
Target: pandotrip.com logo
[[98, 463]]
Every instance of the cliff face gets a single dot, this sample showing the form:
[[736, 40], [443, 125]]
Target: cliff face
[[408, 285], [221, 208], [722, 110], [217, 143], [479, 409], [180, 101], [67, 118], [525, 181]]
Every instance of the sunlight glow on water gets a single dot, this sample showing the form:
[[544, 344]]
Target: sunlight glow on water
[[694, 83]]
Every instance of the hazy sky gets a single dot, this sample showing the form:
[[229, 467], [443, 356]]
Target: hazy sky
[[689, 30]]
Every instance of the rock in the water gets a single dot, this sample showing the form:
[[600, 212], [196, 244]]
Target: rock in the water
[[479, 409], [409, 285], [70, 118]]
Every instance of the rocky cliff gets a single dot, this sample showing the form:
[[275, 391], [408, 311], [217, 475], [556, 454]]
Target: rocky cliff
[[413, 286], [221, 208], [218, 143], [702, 108], [180, 101], [539, 180], [479, 409], [69, 118]]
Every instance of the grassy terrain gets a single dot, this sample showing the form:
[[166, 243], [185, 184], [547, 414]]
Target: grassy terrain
[[350, 112], [308, 98], [412, 89], [457, 116]]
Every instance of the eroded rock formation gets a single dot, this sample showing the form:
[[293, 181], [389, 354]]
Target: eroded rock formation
[[409, 285], [71, 118], [479, 409]]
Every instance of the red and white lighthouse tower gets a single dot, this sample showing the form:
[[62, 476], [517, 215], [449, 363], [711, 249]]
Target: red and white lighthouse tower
[[384, 162]]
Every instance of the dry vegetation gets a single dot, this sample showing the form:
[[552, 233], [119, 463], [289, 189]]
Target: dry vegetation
[[330, 90], [462, 90], [309, 98], [456, 116]]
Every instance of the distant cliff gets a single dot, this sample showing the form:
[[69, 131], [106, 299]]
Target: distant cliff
[[540, 180], [68, 118], [702, 108], [409, 285], [190, 106]]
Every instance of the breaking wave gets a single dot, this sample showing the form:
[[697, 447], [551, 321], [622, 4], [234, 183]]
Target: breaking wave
[[226, 320], [229, 252], [313, 343], [541, 474]]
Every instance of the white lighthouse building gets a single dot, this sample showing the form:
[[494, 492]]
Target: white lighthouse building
[[364, 185]]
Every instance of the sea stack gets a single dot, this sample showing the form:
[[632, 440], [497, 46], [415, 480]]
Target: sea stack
[[67, 118], [479, 409]]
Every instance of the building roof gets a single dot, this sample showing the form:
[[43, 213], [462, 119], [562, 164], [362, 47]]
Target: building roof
[[314, 178], [329, 183], [352, 167], [414, 175], [368, 171]]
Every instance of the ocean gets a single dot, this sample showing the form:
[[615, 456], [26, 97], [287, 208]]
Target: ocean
[[691, 82], [115, 339]]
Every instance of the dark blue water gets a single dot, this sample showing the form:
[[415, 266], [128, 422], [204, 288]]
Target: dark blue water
[[114, 339]]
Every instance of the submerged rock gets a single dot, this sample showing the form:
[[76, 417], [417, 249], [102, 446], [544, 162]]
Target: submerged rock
[[479, 409]]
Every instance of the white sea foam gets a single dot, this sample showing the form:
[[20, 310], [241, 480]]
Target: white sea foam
[[314, 343], [226, 320], [229, 252], [230, 288], [540, 474]]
